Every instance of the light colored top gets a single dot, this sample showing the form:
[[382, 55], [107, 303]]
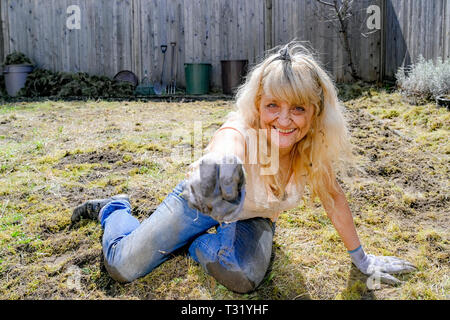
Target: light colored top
[[259, 200]]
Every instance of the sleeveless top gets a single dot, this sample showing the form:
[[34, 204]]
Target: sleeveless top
[[259, 199]]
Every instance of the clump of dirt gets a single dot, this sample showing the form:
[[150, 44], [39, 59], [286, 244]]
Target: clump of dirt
[[102, 156], [77, 195], [9, 130]]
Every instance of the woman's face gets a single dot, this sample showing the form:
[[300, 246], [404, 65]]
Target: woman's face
[[290, 122]]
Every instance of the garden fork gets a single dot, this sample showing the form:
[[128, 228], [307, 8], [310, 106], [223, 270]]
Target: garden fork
[[173, 83]]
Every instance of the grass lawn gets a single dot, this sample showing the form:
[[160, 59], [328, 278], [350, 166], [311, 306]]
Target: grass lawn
[[54, 155]]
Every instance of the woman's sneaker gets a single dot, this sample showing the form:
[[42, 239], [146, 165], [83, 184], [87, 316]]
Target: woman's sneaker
[[91, 208]]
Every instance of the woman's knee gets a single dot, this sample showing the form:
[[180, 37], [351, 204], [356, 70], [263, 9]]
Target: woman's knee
[[118, 272], [235, 279], [124, 268], [241, 263]]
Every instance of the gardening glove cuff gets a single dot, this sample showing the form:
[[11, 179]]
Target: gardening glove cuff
[[359, 258]]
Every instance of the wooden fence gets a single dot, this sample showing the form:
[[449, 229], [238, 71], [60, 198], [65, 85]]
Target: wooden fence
[[414, 28], [119, 35]]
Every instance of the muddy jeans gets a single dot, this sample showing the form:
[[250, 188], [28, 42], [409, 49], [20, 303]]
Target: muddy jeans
[[237, 255]]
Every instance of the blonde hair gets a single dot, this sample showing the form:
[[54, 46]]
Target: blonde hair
[[293, 75]]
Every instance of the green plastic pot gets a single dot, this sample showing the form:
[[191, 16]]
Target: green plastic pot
[[197, 77]]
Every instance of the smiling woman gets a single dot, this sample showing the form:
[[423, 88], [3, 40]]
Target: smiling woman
[[289, 90], [291, 123], [289, 96]]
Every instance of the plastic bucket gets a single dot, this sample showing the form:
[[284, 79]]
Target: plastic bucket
[[197, 77], [15, 77], [233, 72]]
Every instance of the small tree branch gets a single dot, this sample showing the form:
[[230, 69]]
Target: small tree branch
[[343, 12], [325, 3]]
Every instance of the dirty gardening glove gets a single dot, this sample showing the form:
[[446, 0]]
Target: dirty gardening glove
[[380, 267], [217, 187]]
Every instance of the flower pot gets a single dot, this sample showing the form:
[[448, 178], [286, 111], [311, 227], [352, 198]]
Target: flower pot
[[443, 101], [197, 77], [15, 77], [233, 72]]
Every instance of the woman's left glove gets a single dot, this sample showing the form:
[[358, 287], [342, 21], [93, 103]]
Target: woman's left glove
[[380, 266]]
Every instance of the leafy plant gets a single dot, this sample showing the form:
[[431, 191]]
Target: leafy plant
[[424, 80], [17, 58], [42, 82]]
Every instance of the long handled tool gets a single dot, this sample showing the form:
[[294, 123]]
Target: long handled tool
[[172, 85], [160, 87]]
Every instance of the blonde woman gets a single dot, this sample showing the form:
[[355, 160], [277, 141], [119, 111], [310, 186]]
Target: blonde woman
[[288, 132]]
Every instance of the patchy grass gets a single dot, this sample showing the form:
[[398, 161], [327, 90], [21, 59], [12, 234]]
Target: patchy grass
[[54, 155]]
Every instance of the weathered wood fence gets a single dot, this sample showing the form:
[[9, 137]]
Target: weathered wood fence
[[414, 28], [119, 35]]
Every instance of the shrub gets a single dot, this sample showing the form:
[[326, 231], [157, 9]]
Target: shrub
[[45, 83], [17, 58], [424, 80], [42, 83]]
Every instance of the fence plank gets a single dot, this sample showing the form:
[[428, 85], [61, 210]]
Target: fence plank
[[127, 34], [415, 28], [446, 31]]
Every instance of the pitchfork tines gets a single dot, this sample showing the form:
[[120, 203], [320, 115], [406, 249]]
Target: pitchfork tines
[[172, 87]]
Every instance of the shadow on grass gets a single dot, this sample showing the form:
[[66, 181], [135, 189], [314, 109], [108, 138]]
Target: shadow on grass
[[356, 287], [281, 281]]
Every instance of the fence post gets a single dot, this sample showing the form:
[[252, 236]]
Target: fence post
[[446, 31], [268, 41], [383, 41], [2, 46]]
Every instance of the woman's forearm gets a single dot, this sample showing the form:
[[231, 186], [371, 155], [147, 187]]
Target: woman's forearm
[[341, 217]]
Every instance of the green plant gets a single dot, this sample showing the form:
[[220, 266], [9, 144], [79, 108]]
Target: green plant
[[17, 58], [43, 83], [424, 80]]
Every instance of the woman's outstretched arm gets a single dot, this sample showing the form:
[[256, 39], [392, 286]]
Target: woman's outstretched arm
[[341, 217], [376, 266]]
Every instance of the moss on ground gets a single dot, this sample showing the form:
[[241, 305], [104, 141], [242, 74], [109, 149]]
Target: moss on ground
[[54, 155]]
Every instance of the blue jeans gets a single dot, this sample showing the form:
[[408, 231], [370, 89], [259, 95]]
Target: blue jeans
[[237, 255]]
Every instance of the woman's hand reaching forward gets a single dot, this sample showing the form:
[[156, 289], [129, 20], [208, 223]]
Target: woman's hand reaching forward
[[217, 187]]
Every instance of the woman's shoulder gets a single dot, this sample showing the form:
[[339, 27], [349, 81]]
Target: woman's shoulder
[[235, 122], [229, 138], [235, 119]]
